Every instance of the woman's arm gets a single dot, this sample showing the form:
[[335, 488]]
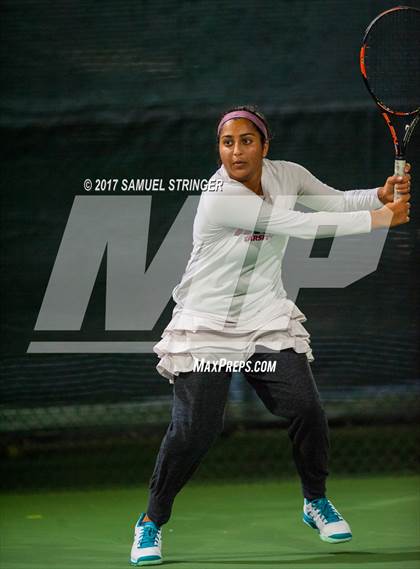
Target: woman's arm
[[316, 195], [236, 210], [239, 208], [392, 214], [399, 183]]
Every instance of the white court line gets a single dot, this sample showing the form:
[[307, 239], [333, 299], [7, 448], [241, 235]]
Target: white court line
[[384, 503]]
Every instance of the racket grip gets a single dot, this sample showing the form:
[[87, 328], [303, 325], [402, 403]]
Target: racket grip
[[399, 166]]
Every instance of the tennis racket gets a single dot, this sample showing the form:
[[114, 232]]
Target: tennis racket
[[390, 66]]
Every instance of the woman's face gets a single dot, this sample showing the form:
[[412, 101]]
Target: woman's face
[[241, 150]]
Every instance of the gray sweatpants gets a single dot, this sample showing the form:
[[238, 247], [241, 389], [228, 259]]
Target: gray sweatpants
[[197, 419]]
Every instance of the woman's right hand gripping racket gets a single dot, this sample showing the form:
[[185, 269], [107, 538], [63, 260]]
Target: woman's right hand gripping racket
[[390, 65]]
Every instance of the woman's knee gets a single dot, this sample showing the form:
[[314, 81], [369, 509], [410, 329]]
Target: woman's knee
[[194, 435], [313, 411]]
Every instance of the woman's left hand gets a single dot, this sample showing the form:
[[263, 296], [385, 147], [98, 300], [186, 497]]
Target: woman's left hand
[[401, 184]]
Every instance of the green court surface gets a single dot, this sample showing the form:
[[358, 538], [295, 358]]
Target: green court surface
[[213, 526]]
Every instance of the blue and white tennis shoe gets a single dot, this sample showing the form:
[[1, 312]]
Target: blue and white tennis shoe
[[147, 545], [321, 515]]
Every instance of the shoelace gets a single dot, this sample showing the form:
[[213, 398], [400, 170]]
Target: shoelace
[[149, 535], [326, 511]]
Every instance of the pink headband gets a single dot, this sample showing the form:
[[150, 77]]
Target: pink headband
[[243, 115]]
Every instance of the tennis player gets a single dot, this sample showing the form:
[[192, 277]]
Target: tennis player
[[231, 307]]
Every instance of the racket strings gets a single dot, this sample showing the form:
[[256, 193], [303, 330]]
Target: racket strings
[[392, 60]]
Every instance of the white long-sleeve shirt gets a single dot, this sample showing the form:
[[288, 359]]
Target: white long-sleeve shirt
[[231, 294]]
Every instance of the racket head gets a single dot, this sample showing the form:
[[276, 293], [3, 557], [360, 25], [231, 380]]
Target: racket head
[[390, 60]]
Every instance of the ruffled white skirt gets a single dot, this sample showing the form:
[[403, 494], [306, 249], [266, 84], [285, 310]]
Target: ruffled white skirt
[[193, 336]]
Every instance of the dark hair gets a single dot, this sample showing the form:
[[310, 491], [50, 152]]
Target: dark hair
[[251, 109]]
